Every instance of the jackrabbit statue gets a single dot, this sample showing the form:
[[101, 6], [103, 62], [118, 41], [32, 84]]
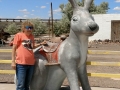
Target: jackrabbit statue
[[72, 54]]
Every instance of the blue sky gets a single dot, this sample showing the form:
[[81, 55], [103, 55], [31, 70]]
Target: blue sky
[[41, 8]]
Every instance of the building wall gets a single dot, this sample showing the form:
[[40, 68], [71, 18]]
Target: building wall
[[104, 22]]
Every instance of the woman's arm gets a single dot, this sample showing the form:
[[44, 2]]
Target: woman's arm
[[13, 64], [37, 45]]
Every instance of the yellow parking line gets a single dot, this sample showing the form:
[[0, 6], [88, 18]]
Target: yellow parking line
[[88, 63], [103, 52], [7, 71], [104, 75], [5, 50], [104, 63], [89, 51], [5, 61]]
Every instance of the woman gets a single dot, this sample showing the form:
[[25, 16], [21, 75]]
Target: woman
[[22, 56]]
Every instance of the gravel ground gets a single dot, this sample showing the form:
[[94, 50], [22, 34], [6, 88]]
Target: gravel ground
[[94, 81]]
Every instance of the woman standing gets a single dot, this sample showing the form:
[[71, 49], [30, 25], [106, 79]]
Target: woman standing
[[22, 56]]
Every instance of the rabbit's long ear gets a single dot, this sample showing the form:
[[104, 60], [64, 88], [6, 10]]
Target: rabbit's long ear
[[87, 4], [73, 3]]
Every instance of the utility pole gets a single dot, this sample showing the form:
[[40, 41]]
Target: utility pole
[[49, 26], [52, 18]]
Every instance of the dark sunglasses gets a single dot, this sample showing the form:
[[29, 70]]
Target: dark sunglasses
[[28, 27]]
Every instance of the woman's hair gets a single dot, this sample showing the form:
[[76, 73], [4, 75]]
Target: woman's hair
[[26, 23]]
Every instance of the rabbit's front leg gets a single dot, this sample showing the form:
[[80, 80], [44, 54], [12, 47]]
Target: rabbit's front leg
[[73, 79], [82, 72]]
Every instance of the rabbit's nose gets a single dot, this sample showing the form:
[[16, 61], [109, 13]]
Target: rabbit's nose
[[92, 26]]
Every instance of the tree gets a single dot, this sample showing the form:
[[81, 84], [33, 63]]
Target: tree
[[39, 26], [67, 11], [100, 9], [57, 29], [94, 9], [61, 27], [12, 28]]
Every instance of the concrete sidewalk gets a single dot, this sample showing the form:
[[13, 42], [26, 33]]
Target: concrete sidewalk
[[12, 87]]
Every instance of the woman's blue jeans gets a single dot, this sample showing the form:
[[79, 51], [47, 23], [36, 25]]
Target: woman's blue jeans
[[24, 75]]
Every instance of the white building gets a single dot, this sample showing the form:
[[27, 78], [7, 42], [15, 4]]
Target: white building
[[104, 21]]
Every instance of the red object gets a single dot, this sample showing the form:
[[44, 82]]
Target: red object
[[50, 55], [11, 43]]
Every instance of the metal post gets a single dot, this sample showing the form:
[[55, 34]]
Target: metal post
[[52, 18], [49, 26]]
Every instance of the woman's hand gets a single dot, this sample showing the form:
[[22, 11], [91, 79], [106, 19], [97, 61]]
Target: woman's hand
[[43, 43], [13, 65], [39, 44]]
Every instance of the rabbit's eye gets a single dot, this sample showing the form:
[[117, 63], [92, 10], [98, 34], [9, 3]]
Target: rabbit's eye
[[75, 19]]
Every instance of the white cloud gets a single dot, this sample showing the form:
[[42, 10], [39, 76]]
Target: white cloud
[[32, 14], [24, 11], [22, 17], [33, 10], [36, 17], [25, 16], [116, 8], [43, 7], [19, 17], [117, 0], [36, 6], [57, 10]]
